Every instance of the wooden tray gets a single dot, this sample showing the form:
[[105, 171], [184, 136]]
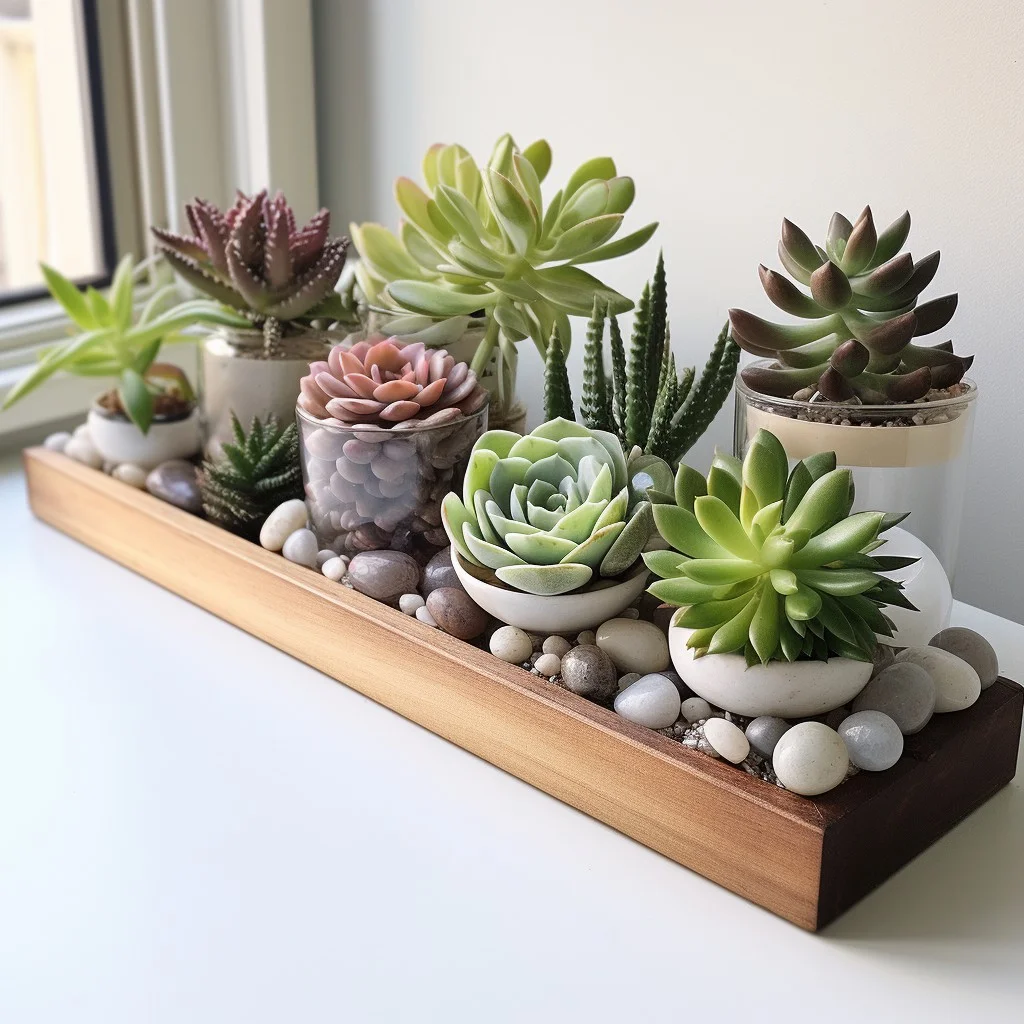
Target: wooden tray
[[806, 860]]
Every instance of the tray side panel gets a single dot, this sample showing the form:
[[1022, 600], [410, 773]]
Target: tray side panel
[[763, 844]]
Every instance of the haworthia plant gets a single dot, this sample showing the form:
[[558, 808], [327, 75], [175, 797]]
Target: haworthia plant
[[557, 393], [548, 512], [646, 401], [862, 309], [775, 566]]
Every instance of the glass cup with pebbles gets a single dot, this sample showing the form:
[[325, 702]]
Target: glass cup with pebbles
[[385, 432]]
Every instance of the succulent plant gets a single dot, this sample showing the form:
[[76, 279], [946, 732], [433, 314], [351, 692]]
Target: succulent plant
[[863, 312], [116, 341], [775, 566], [481, 240], [252, 476], [388, 383], [548, 512], [645, 400], [254, 258]]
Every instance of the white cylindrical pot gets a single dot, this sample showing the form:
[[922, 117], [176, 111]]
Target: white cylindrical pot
[[119, 440], [561, 613], [798, 689]]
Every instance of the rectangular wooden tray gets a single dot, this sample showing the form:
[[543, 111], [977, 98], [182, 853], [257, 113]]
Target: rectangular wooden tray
[[806, 860]]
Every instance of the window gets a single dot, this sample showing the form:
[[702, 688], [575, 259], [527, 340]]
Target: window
[[54, 180]]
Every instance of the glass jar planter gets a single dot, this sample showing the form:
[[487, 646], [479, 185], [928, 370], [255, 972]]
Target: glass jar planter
[[905, 458], [373, 488]]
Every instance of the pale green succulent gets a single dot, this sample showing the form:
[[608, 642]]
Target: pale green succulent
[[550, 511]]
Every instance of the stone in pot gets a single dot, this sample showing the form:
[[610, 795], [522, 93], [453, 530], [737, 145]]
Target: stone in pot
[[971, 647]]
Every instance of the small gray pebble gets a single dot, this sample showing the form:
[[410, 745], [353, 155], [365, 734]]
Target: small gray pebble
[[556, 645], [905, 692], [325, 555], [589, 672], [300, 547], [765, 732], [587, 638], [971, 647], [695, 709], [873, 740], [410, 602]]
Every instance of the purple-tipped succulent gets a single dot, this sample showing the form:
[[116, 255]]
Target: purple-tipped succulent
[[862, 312], [386, 383], [254, 258]]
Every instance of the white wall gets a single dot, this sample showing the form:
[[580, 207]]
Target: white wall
[[730, 115]]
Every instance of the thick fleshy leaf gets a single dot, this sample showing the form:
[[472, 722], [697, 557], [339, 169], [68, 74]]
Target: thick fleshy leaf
[[436, 299], [711, 613], [839, 541], [764, 627], [454, 517], [666, 564], [620, 247], [732, 636], [681, 529], [784, 582], [826, 501], [595, 548], [689, 484], [718, 571], [725, 480], [804, 605], [481, 499], [574, 290], [546, 580], [579, 524], [680, 591], [766, 468], [481, 465], [539, 548], [838, 582], [494, 556], [717, 520], [630, 542], [504, 476]]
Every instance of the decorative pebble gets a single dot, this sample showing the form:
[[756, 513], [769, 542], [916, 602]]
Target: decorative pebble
[[588, 638], [810, 759], [957, 685], [634, 646], [130, 474], [556, 645], [334, 568], [905, 692], [652, 701], [57, 442], [109, 467], [175, 482], [410, 602], [439, 572], [511, 644], [424, 615], [457, 613], [300, 547], [630, 613], [324, 555], [81, 449], [588, 671], [548, 665], [764, 733], [873, 740], [695, 709], [970, 647], [628, 679], [383, 575], [882, 658], [727, 739], [288, 517]]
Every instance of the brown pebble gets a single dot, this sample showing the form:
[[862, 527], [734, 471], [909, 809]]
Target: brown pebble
[[456, 613]]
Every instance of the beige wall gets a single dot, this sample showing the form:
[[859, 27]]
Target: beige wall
[[731, 115]]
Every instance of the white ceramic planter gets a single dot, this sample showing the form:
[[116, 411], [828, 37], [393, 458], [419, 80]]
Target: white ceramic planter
[[796, 689], [118, 440], [562, 613]]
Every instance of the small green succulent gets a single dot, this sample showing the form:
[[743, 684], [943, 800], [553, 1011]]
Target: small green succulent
[[862, 315], [775, 566], [550, 511]]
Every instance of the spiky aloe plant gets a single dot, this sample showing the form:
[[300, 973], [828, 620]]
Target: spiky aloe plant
[[252, 476], [481, 239], [863, 315], [773, 566], [254, 258], [646, 401]]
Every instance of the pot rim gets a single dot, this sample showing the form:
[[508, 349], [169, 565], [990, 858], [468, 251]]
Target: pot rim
[[889, 409], [355, 429], [158, 418]]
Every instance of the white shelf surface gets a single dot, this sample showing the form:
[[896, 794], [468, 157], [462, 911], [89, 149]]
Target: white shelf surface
[[196, 827]]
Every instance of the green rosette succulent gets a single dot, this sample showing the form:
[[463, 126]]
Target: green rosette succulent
[[774, 565], [862, 315], [548, 512]]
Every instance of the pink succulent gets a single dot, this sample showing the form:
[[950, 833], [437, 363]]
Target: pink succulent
[[388, 382]]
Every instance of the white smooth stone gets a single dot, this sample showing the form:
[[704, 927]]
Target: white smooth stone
[[634, 646], [957, 685], [511, 644], [82, 430], [81, 449], [727, 739], [811, 759], [325, 555], [628, 679], [548, 665], [588, 638], [300, 547], [334, 568], [652, 701], [424, 616], [695, 709], [130, 474], [57, 442], [408, 603], [288, 517], [556, 645]]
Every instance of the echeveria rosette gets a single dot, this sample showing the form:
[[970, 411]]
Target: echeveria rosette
[[548, 512], [862, 312], [772, 566]]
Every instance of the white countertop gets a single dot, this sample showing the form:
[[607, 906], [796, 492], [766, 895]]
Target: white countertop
[[197, 828]]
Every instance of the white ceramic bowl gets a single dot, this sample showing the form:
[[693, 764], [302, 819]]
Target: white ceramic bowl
[[119, 440], [562, 613], [796, 689]]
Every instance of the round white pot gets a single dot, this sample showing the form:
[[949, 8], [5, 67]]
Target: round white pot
[[118, 440], [785, 689], [926, 586], [563, 613]]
